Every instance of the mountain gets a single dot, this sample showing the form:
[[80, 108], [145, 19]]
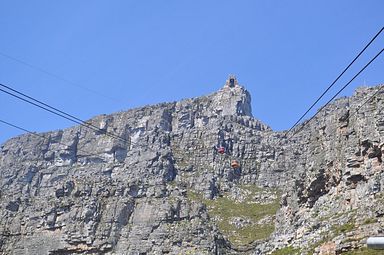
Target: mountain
[[198, 176]]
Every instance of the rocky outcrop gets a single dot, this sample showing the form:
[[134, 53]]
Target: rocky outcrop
[[164, 187], [336, 187]]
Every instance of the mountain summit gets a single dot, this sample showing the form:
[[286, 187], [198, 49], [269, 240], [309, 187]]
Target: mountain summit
[[198, 176]]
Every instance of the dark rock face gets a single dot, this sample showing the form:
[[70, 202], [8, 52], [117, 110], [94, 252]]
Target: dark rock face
[[81, 192]]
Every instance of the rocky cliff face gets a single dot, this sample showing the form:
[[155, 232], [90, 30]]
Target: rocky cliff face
[[336, 199], [167, 187]]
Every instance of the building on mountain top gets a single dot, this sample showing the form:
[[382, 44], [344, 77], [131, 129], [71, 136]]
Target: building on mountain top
[[231, 81]]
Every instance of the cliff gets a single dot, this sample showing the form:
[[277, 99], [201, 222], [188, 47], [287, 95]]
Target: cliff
[[168, 187]]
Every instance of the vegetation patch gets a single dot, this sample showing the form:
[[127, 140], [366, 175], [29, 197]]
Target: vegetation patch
[[194, 196], [369, 221], [335, 231], [246, 220], [347, 227]]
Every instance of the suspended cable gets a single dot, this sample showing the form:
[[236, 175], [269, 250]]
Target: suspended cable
[[20, 128], [48, 106], [330, 100], [37, 103], [25, 100], [333, 83], [58, 77], [41, 136], [53, 110]]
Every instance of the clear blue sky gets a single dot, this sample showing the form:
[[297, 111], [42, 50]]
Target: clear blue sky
[[123, 54]]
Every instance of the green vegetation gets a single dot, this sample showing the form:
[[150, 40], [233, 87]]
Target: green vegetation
[[335, 231], [369, 221], [193, 196], [350, 214], [224, 210], [343, 228], [287, 251]]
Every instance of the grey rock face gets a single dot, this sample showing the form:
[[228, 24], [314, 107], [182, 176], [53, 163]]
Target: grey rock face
[[81, 192]]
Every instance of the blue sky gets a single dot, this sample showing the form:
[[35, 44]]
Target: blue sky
[[116, 55]]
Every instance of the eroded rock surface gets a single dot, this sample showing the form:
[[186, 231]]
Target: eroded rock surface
[[164, 187]]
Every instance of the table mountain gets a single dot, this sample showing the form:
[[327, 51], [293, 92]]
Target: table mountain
[[198, 176]]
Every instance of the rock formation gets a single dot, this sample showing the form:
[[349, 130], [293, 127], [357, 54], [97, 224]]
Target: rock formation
[[163, 187]]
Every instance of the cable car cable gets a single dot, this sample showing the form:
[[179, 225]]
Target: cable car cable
[[41, 136], [333, 83], [58, 77], [55, 111], [306, 123]]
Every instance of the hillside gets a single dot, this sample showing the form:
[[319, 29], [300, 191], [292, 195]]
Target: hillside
[[169, 185]]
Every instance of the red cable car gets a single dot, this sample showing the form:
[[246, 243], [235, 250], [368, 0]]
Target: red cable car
[[221, 150]]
